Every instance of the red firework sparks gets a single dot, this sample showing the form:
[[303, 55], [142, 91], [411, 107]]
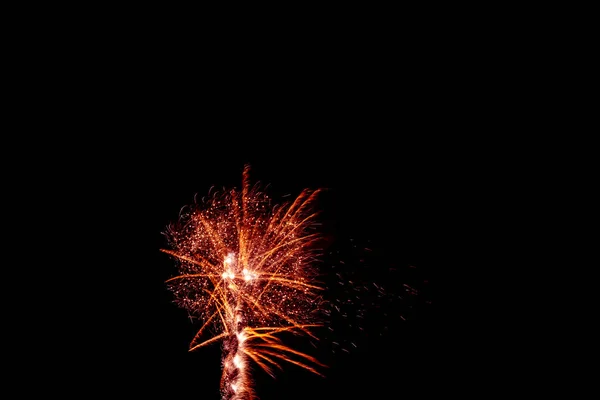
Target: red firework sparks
[[247, 270]]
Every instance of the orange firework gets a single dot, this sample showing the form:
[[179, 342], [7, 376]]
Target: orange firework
[[247, 270]]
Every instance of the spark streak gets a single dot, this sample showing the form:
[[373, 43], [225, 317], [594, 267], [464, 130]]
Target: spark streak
[[247, 270]]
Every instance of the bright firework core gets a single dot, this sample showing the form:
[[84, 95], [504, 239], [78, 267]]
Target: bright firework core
[[229, 266], [247, 270]]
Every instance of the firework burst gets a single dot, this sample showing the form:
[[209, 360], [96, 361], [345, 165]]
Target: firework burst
[[247, 270]]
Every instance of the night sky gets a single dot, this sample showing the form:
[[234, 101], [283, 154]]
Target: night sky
[[397, 184], [388, 113]]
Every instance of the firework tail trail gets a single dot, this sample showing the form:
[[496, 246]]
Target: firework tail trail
[[247, 270]]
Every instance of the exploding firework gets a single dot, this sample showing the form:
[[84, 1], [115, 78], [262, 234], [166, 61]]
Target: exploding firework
[[247, 270]]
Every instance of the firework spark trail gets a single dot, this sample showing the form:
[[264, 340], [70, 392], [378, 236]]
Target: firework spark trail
[[247, 270]]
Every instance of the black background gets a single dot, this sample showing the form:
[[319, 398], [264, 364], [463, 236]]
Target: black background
[[384, 122]]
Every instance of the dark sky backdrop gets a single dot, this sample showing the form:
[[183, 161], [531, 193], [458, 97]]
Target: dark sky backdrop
[[384, 136], [402, 115]]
